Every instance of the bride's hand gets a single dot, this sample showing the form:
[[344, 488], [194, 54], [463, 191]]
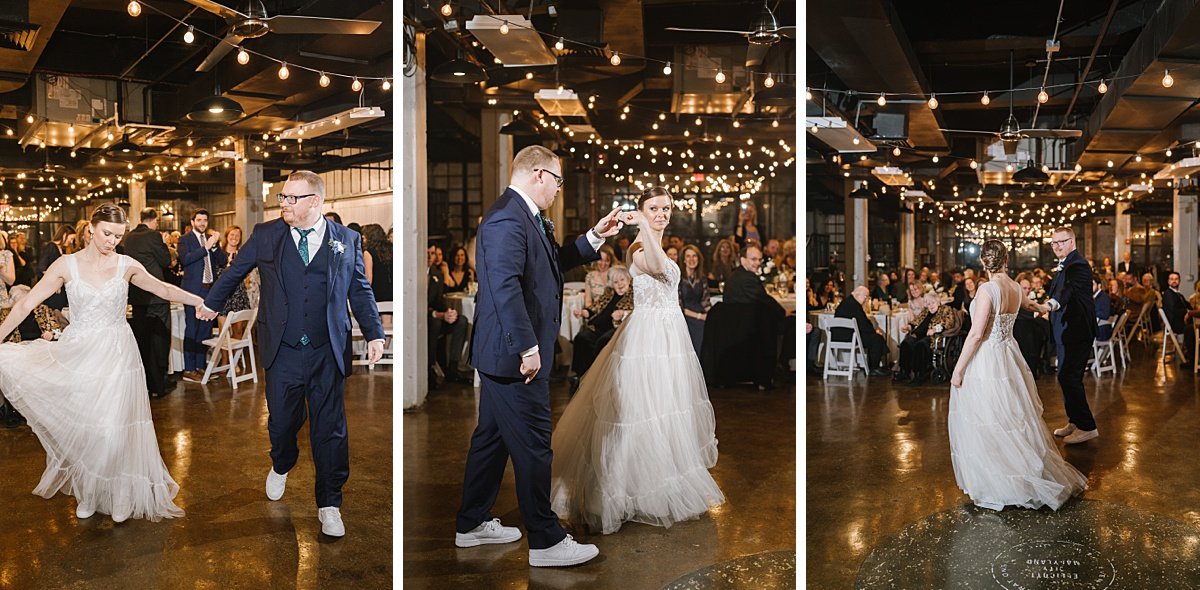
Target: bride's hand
[[956, 380]]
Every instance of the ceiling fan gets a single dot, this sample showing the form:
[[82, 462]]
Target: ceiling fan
[[764, 32], [252, 21]]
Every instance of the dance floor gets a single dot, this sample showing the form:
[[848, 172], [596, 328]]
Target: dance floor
[[214, 442], [883, 509], [749, 542]]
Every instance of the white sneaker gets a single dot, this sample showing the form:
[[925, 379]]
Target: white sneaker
[[121, 510], [566, 552], [331, 521], [1081, 436], [84, 510], [1065, 430], [276, 484], [488, 533]]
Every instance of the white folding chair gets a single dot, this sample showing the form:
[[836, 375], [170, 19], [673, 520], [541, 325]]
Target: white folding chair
[[1170, 335], [1141, 326], [233, 348], [385, 309], [855, 355], [1104, 352], [1120, 336]]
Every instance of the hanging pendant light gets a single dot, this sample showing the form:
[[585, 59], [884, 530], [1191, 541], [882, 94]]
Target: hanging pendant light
[[458, 71]]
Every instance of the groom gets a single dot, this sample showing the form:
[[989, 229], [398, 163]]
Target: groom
[[517, 319], [1073, 319], [310, 267]]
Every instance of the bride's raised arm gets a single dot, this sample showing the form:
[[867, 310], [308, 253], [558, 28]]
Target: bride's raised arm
[[980, 319], [52, 281], [146, 282]]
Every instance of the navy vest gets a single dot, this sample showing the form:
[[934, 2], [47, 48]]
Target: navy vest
[[307, 293]]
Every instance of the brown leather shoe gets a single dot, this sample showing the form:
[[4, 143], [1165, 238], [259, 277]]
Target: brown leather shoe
[[193, 376]]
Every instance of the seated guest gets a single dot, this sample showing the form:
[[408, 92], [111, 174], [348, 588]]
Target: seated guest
[[873, 340], [880, 290], [916, 350], [1179, 313], [916, 291], [811, 301], [443, 322], [458, 273], [43, 323], [1116, 296], [743, 286], [601, 321], [957, 291], [1103, 308], [1153, 298], [1033, 333], [1037, 289], [829, 294]]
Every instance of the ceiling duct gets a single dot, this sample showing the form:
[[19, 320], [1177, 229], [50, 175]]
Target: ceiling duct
[[519, 45], [15, 30], [560, 103], [695, 87]]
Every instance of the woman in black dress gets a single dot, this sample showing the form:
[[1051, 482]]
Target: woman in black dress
[[378, 261], [459, 273], [693, 294]]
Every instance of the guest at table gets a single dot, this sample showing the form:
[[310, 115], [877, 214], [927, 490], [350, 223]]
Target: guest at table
[[693, 294], [601, 321], [873, 341], [1179, 313], [377, 262], [747, 229], [880, 290], [676, 242], [457, 274], [672, 254], [915, 292], [724, 260], [444, 322], [22, 265], [1033, 333], [1116, 296], [812, 302], [916, 349], [829, 295], [1106, 268], [743, 287], [43, 323], [899, 287], [1103, 309], [1195, 298], [787, 253], [597, 282], [1037, 289], [54, 250]]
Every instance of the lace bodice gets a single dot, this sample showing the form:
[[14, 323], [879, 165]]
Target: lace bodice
[[656, 292], [96, 307], [1002, 323]]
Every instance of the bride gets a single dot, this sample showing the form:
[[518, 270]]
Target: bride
[[1002, 451], [85, 395], [637, 440]]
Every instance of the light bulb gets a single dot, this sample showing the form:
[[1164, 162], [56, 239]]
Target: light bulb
[[189, 36], [775, 123], [190, 143], [1110, 163], [504, 28], [447, 10], [1102, 88], [667, 69], [986, 100], [1008, 167], [8, 131], [558, 45], [662, 116], [243, 57], [1168, 150], [974, 164], [1167, 80], [699, 121], [387, 85], [284, 72], [856, 142], [720, 77], [935, 158], [356, 85], [933, 102], [324, 80], [1042, 96], [29, 118], [1137, 158], [896, 151], [134, 8], [102, 160], [265, 137], [881, 101], [528, 75], [736, 124], [769, 82]]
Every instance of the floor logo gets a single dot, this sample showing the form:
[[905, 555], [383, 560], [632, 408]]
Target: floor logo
[[1058, 565]]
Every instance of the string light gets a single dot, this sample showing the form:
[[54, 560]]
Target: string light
[[558, 45], [720, 77], [284, 72], [933, 102], [356, 85], [324, 80], [1167, 80], [447, 9], [134, 8], [986, 100], [189, 36], [1042, 96], [769, 82], [615, 59], [896, 151], [387, 85], [881, 101], [667, 69], [243, 57], [1102, 88], [504, 28]]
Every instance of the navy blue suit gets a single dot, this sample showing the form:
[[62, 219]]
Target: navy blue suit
[[302, 329], [1103, 312], [191, 258], [1074, 328], [520, 273]]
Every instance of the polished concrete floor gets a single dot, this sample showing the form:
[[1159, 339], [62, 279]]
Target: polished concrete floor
[[883, 510], [214, 443], [749, 542]]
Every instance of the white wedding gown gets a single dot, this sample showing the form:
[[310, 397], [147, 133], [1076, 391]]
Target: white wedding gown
[[638, 438], [85, 398], [1003, 453]]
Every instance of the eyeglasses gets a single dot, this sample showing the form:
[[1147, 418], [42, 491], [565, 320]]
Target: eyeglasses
[[291, 199], [558, 179], [1063, 241]]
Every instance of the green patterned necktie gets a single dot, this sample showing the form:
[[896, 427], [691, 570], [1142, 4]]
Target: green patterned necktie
[[304, 243]]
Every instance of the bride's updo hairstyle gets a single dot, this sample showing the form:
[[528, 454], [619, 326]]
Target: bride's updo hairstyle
[[993, 255], [652, 192], [110, 213]]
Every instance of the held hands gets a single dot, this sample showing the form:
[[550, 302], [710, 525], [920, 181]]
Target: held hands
[[609, 225], [530, 365], [205, 314], [633, 218]]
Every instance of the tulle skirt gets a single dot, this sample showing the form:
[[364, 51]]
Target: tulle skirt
[[1003, 453], [85, 398], [638, 438]]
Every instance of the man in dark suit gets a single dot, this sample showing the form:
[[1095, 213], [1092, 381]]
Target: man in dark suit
[[1073, 320], [53, 252], [1179, 313], [517, 320], [1103, 309], [1124, 265], [310, 268], [743, 286], [151, 318], [872, 340], [201, 256], [444, 321]]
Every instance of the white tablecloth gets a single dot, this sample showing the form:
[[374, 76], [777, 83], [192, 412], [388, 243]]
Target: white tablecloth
[[787, 301], [465, 304], [178, 328]]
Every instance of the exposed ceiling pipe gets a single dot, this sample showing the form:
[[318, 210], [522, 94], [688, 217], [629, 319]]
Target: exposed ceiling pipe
[[1087, 69]]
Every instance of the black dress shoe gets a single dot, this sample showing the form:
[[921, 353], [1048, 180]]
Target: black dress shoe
[[901, 377], [879, 372], [919, 379], [574, 380], [460, 379]]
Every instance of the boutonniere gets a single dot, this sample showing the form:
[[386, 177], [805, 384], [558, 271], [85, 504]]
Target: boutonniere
[[1059, 267], [336, 247]]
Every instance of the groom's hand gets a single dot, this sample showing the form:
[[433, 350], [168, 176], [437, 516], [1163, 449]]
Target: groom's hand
[[374, 351], [530, 365], [205, 314], [610, 225]]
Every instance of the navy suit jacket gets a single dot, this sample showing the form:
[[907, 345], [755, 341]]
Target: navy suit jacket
[[1103, 312], [520, 274], [1075, 320], [191, 258], [265, 249]]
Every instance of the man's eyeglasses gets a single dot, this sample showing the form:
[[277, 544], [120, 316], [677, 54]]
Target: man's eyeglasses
[[1062, 241], [558, 179], [291, 199]]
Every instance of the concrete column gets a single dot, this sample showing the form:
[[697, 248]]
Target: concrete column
[[247, 193], [1121, 228], [908, 240], [412, 233], [1089, 242], [856, 240], [1184, 241], [137, 201], [497, 152]]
